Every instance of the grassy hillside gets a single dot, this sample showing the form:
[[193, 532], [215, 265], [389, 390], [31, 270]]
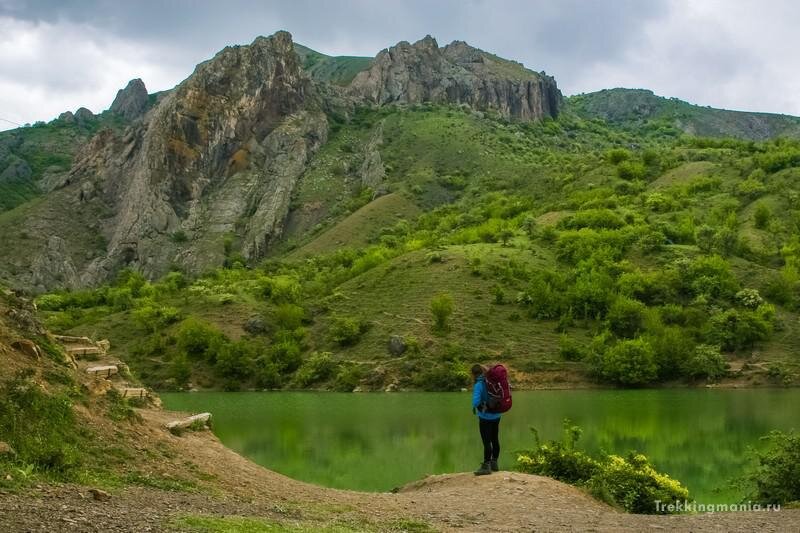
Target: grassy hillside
[[339, 70], [577, 252], [633, 107]]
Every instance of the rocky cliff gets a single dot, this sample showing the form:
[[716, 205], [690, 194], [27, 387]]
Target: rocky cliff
[[458, 73]]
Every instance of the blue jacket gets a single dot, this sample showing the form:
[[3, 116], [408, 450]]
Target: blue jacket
[[479, 398]]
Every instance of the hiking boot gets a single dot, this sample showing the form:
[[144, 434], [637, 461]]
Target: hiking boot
[[493, 465], [485, 469]]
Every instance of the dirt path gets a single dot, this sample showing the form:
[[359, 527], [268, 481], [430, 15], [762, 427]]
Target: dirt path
[[454, 502]]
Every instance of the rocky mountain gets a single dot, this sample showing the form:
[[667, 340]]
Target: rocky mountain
[[211, 168], [216, 168], [458, 73]]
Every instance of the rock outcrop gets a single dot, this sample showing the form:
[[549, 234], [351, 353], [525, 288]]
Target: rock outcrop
[[131, 102], [221, 151], [456, 74]]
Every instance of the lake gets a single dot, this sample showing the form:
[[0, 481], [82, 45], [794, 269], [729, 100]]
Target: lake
[[378, 441]]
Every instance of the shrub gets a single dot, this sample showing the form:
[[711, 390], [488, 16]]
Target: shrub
[[631, 170], [559, 459], [318, 367], [706, 362], [671, 346], [593, 218], [704, 237], [775, 476], [544, 296], [441, 309], [347, 331], [450, 376], [630, 362], [634, 485], [734, 329], [617, 155], [154, 318], [569, 350], [347, 378], [41, 428], [626, 317], [198, 339], [281, 289], [289, 316], [630, 483], [762, 216], [749, 298], [750, 188]]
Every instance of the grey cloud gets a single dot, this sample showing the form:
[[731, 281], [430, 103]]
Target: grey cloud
[[670, 46]]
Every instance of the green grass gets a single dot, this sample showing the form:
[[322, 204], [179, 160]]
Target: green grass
[[359, 228]]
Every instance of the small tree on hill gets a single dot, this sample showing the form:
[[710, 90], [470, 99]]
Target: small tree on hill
[[441, 308]]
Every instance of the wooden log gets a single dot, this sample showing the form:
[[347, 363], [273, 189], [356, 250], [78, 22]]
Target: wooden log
[[103, 371], [84, 350], [188, 421], [72, 340], [134, 392]]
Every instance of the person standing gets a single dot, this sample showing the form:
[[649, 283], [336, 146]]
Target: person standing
[[488, 423]]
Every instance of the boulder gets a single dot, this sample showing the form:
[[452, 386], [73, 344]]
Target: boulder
[[255, 325], [397, 345], [99, 495], [6, 449], [27, 347]]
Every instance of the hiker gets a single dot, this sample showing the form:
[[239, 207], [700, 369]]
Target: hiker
[[488, 423]]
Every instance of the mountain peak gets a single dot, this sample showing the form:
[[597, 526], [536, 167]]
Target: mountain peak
[[131, 102]]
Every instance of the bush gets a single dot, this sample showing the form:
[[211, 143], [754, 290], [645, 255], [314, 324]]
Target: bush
[[775, 476], [289, 316], [569, 350], [735, 330], [451, 376], [318, 367], [749, 298], [762, 216], [617, 155], [559, 459], [441, 309], [706, 362], [281, 289], [347, 331], [198, 339], [630, 362], [630, 483], [348, 378], [153, 318], [671, 346], [41, 428], [631, 170], [626, 317]]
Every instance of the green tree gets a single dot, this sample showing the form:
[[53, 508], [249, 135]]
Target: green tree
[[441, 309]]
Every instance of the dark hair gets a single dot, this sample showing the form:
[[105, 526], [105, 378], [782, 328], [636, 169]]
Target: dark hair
[[477, 370]]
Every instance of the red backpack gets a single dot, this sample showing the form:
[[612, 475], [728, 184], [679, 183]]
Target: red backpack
[[498, 390]]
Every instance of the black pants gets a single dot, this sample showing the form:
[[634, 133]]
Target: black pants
[[490, 435]]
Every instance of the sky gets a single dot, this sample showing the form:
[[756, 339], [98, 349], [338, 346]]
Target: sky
[[60, 55]]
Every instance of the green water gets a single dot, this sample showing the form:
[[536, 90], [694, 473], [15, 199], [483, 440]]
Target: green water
[[380, 441]]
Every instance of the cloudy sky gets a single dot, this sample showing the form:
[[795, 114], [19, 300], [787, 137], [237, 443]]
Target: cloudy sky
[[736, 54]]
